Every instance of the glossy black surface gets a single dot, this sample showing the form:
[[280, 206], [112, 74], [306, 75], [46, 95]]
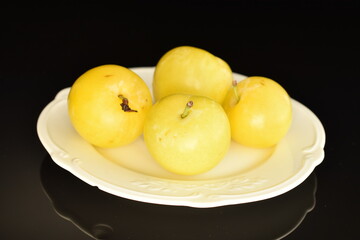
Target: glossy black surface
[[100, 214], [311, 48]]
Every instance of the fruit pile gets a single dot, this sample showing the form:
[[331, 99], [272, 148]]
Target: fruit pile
[[198, 108]]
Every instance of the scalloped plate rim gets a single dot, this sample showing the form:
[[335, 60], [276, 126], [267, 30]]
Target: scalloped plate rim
[[284, 186]]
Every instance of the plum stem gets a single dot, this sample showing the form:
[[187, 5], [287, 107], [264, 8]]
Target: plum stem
[[188, 106], [125, 104], [234, 86]]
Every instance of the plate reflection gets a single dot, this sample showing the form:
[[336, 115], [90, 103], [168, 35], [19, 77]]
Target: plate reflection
[[105, 216]]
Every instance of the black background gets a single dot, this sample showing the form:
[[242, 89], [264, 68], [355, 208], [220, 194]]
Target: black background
[[310, 47]]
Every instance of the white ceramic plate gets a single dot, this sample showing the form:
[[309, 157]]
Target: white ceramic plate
[[244, 175]]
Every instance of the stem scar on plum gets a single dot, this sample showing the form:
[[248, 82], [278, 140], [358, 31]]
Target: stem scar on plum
[[125, 104]]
